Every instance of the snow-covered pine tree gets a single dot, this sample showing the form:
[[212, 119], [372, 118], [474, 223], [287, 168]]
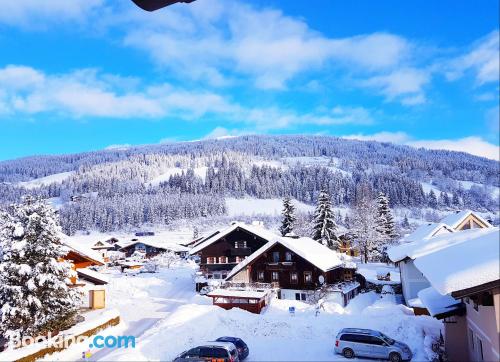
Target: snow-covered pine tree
[[385, 228], [34, 292], [363, 223], [385, 221], [405, 224], [324, 226], [289, 217]]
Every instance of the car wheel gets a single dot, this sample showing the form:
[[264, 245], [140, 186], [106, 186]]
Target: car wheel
[[348, 353], [395, 357]]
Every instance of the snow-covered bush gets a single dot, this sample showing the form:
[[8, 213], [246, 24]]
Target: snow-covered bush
[[166, 259], [34, 294]]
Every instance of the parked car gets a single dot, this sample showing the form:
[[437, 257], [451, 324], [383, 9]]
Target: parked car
[[241, 346], [354, 342], [210, 351]]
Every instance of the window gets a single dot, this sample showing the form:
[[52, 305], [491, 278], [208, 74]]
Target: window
[[222, 259], [308, 277], [297, 296], [294, 278], [239, 259], [216, 276], [240, 244], [275, 276], [260, 275], [300, 296], [288, 256], [276, 256], [211, 260]]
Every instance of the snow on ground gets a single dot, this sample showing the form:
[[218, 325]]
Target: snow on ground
[[47, 180], [493, 190], [369, 271], [167, 317], [250, 206]]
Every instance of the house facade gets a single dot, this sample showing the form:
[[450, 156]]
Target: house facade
[[298, 268], [91, 283], [426, 238], [222, 250], [465, 294], [152, 248]]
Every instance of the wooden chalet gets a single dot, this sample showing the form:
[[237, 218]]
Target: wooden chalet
[[91, 282], [222, 250], [151, 248], [103, 247], [250, 300], [299, 267], [464, 220]]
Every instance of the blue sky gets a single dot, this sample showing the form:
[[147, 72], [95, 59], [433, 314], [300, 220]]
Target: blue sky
[[89, 74]]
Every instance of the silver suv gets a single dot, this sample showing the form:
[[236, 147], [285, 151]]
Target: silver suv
[[211, 351], [352, 342]]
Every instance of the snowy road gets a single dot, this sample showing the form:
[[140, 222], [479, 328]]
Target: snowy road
[[145, 299]]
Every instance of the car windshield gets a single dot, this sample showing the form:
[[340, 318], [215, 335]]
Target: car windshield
[[386, 339]]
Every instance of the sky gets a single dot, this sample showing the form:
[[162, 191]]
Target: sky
[[85, 75]]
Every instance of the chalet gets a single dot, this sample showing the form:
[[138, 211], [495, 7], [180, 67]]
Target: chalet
[[406, 255], [466, 219], [103, 247], [222, 250], [347, 244], [464, 292], [298, 267], [425, 238], [250, 300], [153, 247], [91, 282]]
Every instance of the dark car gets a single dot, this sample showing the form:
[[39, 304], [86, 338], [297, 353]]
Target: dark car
[[240, 346], [210, 351]]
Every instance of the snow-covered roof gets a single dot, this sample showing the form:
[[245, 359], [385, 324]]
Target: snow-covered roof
[[419, 248], [455, 219], [155, 244], [81, 249], [426, 231], [260, 231], [101, 244], [92, 275], [317, 254], [437, 304], [469, 263], [238, 293]]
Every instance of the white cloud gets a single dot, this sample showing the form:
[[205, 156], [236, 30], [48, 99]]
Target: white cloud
[[483, 60], [221, 133], [38, 13], [89, 93], [86, 93], [405, 84], [473, 145], [393, 137], [221, 39]]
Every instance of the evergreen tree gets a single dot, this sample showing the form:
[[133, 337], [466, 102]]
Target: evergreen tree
[[432, 200], [405, 224], [385, 221], [363, 223], [289, 217], [324, 226], [34, 292]]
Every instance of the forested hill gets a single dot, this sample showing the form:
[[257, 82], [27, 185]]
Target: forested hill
[[113, 188]]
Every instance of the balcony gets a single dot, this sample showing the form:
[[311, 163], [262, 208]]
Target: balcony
[[240, 251], [283, 265]]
